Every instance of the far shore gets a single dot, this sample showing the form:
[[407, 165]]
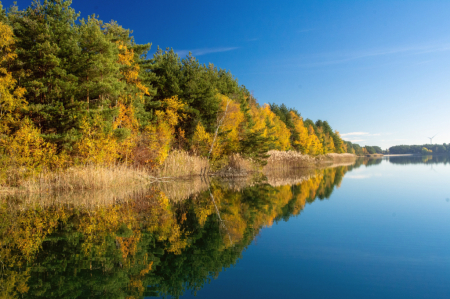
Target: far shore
[[416, 155]]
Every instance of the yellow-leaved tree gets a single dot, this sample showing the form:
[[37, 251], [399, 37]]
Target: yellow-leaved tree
[[158, 137], [342, 148], [276, 128], [23, 151], [316, 147], [226, 137], [271, 126], [97, 145], [126, 130], [231, 125], [304, 140], [130, 72], [201, 141], [11, 96], [329, 146], [27, 154]]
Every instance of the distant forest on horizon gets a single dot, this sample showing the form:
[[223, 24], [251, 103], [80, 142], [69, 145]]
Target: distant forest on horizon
[[420, 149]]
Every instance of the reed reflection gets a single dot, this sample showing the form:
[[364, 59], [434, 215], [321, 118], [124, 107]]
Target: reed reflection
[[145, 244]]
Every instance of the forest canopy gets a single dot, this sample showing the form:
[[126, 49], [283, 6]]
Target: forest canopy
[[82, 91]]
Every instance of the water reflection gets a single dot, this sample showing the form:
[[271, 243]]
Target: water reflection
[[145, 244], [426, 159]]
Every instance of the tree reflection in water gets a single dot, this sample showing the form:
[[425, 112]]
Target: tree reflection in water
[[149, 245]]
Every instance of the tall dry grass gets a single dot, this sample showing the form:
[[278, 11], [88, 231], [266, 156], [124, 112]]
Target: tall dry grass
[[95, 184], [280, 160], [94, 177], [181, 163], [89, 177], [237, 162], [236, 166]]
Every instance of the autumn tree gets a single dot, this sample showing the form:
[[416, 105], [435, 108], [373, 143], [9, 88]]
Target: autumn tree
[[12, 98]]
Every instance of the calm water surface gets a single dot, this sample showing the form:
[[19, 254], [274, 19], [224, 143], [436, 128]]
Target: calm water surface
[[385, 233], [376, 229]]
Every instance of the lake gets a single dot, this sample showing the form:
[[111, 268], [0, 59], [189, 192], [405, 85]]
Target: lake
[[372, 229]]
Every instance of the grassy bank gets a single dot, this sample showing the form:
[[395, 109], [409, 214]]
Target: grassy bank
[[81, 178], [178, 164], [181, 164]]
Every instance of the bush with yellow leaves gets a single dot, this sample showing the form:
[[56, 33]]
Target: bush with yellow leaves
[[25, 153]]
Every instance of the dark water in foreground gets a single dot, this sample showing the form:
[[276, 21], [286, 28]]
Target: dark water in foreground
[[376, 229]]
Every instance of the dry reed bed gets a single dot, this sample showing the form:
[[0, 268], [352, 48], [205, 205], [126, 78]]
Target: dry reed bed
[[95, 185], [94, 177], [236, 166], [287, 160], [292, 159], [181, 163], [87, 177], [102, 185]]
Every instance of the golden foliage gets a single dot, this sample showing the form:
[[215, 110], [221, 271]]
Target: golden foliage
[[97, 145], [11, 97], [126, 120], [231, 126], [316, 147], [272, 126], [201, 141], [159, 136], [14, 284], [304, 139], [131, 69], [27, 153]]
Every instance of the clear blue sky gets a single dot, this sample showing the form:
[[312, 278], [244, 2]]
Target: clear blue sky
[[378, 71]]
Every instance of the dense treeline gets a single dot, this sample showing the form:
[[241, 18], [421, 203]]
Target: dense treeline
[[420, 149], [77, 91]]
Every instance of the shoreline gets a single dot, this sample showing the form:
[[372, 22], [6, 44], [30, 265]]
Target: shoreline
[[90, 178]]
